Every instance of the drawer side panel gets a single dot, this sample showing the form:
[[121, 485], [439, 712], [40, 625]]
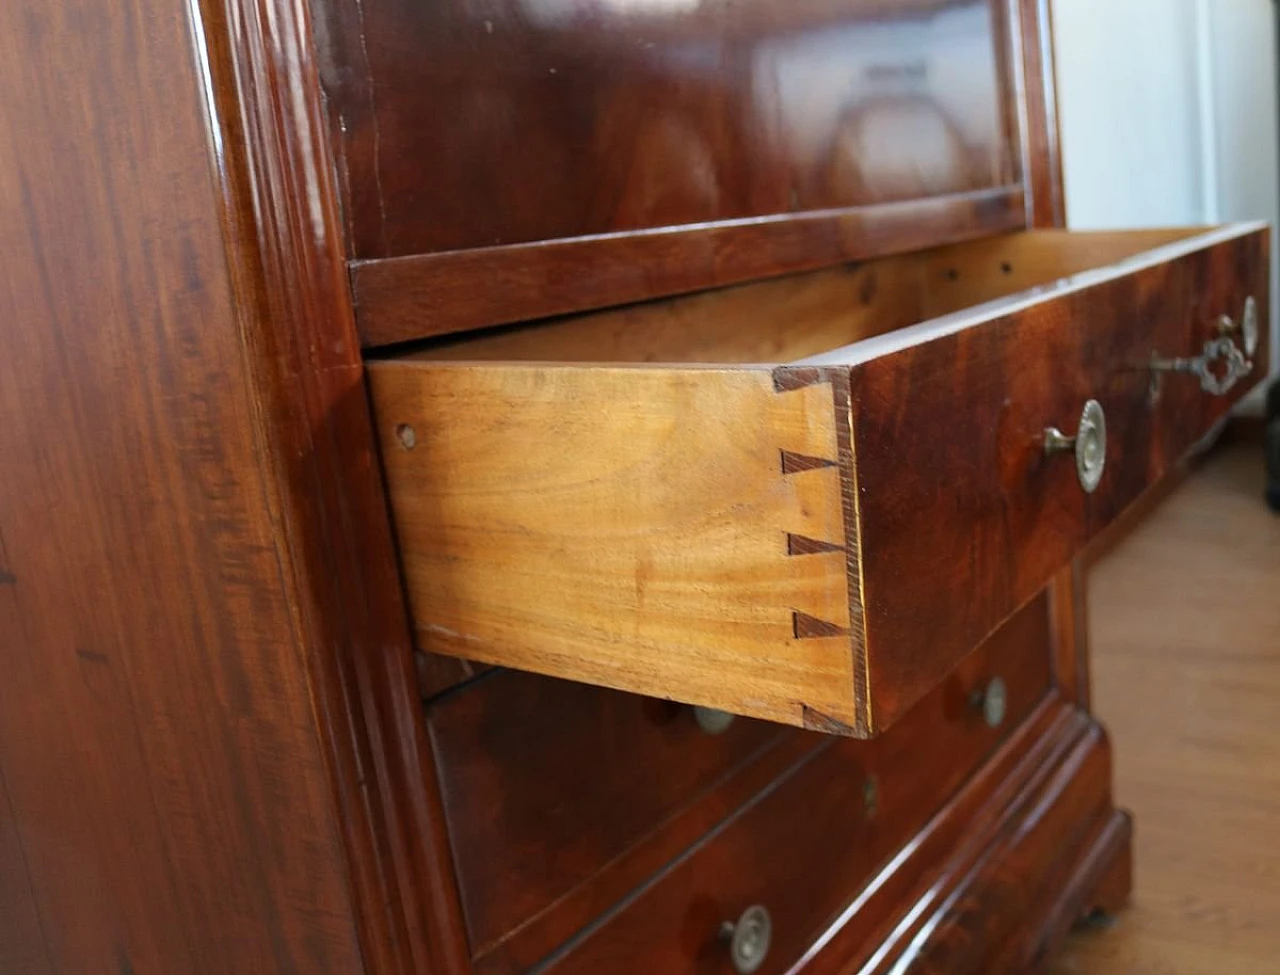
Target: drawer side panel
[[674, 532]]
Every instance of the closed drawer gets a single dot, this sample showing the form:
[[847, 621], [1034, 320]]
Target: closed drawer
[[630, 499], [805, 848], [547, 782]]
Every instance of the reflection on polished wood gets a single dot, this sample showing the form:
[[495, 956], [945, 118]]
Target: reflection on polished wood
[[1186, 661], [469, 125]]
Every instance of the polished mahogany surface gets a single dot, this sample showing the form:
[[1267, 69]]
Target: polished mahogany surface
[[167, 799], [591, 771], [965, 512], [597, 785], [211, 755], [806, 847], [485, 124]]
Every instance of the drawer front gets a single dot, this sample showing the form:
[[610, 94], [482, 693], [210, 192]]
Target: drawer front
[[819, 541], [546, 782], [963, 514], [808, 845]]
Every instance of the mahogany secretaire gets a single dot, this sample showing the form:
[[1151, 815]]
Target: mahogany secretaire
[[565, 486]]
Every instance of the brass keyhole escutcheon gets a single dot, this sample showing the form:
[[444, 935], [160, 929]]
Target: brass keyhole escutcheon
[[1221, 363]]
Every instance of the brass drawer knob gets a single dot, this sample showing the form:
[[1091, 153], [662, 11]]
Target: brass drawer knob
[[712, 720], [748, 939], [1089, 445], [991, 701]]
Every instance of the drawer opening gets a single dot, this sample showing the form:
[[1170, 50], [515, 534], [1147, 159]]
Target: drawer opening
[[805, 315], [807, 499]]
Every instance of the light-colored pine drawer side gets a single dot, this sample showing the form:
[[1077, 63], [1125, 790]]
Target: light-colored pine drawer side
[[679, 532]]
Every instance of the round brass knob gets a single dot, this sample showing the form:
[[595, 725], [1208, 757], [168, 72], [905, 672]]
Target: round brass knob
[[1089, 445], [712, 721], [992, 701], [748, 939]]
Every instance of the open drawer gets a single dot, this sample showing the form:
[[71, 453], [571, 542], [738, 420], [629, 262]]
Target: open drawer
[[806, 499]]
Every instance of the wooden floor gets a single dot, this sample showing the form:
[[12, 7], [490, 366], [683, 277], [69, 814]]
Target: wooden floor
[[1186, 648]]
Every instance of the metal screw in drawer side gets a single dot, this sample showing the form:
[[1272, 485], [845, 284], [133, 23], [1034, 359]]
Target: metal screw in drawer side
[[748, 939], [991, 701], [407, 436]]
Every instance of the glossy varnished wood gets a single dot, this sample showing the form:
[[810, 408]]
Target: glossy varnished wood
[[284, 240], [212, 752], [168, 790], [629, 118], [1015, 515], [1184, 633], [782, 556], [835, 818], [627, 762], [212, 758], [661, 149], [1037, 103], [410, 298]]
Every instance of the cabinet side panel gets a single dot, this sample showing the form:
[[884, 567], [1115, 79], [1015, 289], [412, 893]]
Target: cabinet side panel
[[166, 780]]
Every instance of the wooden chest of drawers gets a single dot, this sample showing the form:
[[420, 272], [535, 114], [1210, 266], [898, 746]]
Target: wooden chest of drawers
[[566, 486]]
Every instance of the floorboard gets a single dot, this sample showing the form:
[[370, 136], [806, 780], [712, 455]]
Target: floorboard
[[1186, 674]]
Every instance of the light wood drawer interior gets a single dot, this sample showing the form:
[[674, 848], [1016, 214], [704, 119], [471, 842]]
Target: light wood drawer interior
[[805, 499]]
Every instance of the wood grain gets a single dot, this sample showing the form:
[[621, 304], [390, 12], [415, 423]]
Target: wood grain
[[648, 783], [630, 763], [779, 320], [1059, 853], [1069, 607], [963, 516], [1036, 98], [638, 527], [953, 278], [634, 184], [284, 242], [410, 298], [802, 315], [882, 153], [792, 109], [167, 785], [1185, 673], [815, 821], [668, 571]]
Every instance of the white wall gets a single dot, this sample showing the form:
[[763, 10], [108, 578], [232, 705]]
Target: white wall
[[1244, 139], [1129, 111], [1168, 114]]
